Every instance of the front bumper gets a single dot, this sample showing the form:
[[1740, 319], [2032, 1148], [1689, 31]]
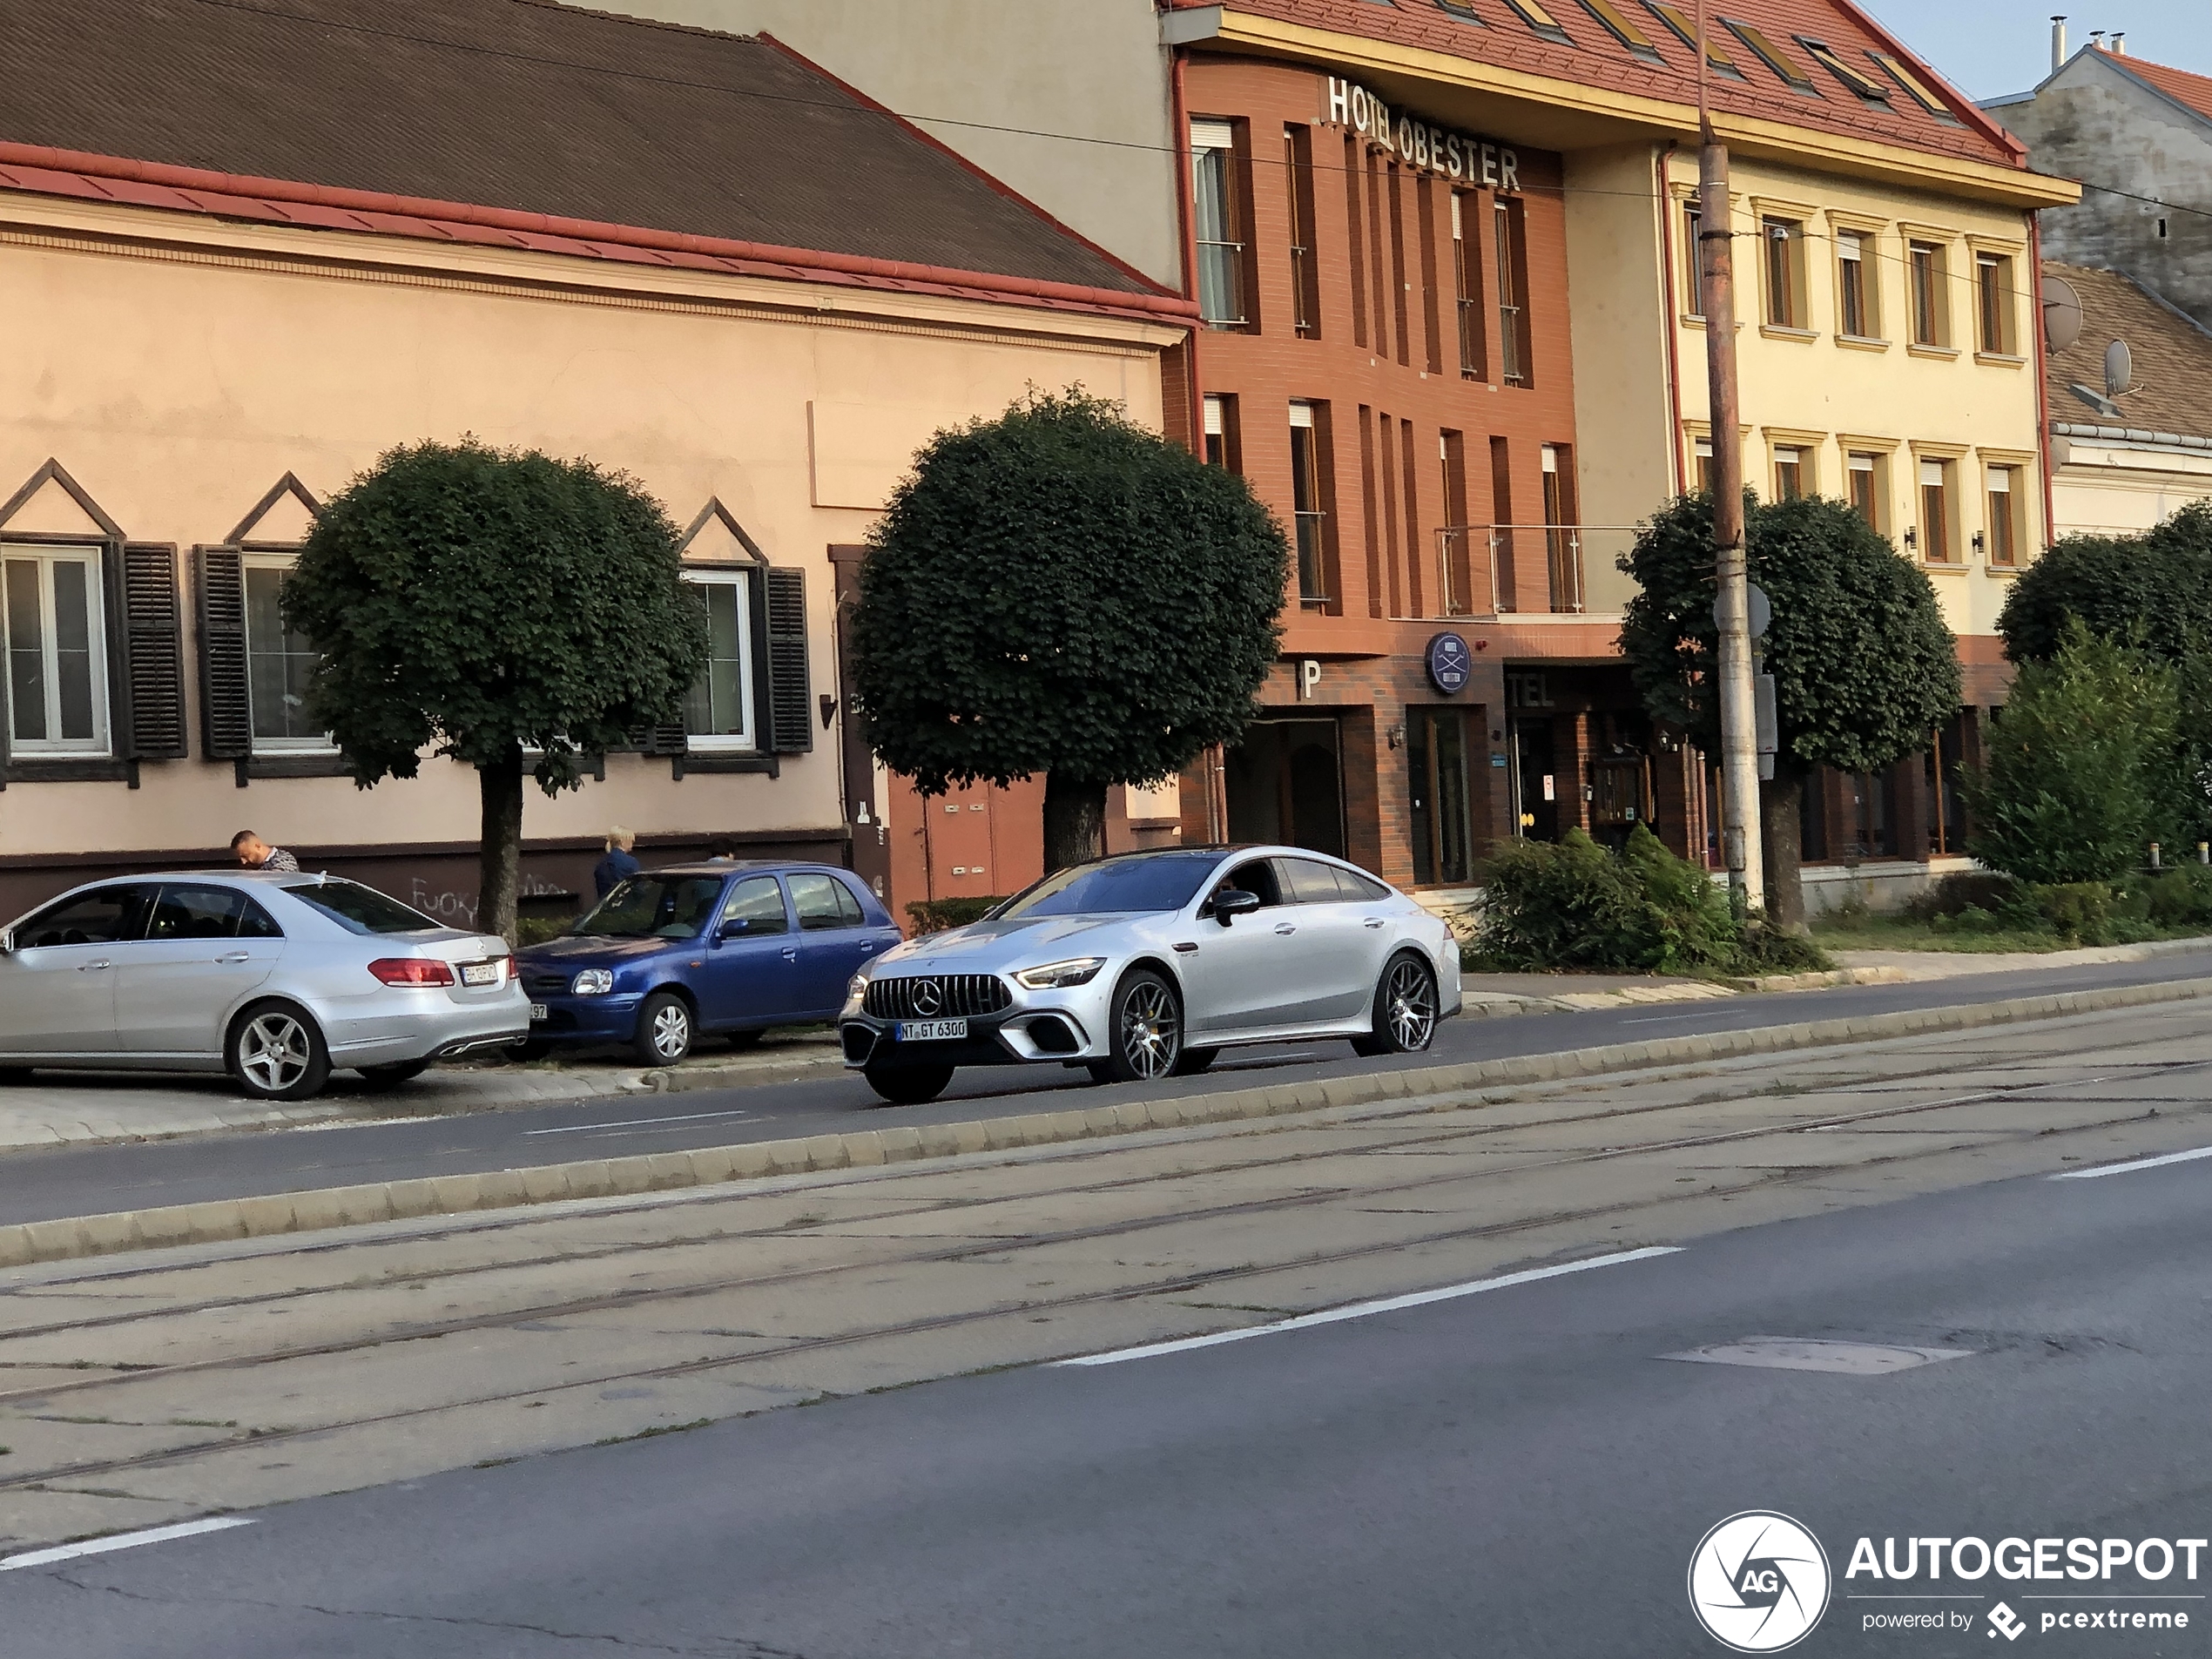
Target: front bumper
[[585, 1020], [1030, 1033]]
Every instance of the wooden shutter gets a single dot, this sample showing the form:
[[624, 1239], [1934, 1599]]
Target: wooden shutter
[[789, 721], [225, 709], [154, 652]]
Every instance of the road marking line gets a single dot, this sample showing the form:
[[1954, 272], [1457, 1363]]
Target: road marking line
[[121, 1540], [1363, 1310], [1667, 1019], [634, 1123], [2130, 1169]]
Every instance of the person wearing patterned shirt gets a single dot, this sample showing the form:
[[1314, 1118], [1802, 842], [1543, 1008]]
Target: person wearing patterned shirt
[[257, 854]]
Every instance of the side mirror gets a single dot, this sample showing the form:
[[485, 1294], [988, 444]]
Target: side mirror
[[733, 925], [6, 941], [1227, 906]]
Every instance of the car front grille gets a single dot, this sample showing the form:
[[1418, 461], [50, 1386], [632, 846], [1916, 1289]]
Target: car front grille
[[543, 984], [953, 996]]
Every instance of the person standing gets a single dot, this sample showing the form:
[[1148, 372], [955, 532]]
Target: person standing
[[254, 854], [618, 865]]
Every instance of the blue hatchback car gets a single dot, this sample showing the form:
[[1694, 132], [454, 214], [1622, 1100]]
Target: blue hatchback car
[[672, 955]]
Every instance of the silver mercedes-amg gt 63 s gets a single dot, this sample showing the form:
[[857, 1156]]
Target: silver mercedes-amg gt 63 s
[[1150, 964]]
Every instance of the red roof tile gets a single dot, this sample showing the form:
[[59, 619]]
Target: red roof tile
[[2194, 91]]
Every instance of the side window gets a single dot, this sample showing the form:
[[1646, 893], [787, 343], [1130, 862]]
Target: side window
[[1257, 877], [1311, 881], [1365, 888], [106, 916], [823, 901], [253, 922], [758, 903], [197, 912]]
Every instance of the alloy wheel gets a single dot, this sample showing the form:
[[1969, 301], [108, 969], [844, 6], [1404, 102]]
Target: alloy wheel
[[1410, 998], [671, 1032], [1151, 1029], [273, 1051]]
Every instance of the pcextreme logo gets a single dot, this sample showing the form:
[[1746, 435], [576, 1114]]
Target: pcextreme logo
[[1759, 1582]]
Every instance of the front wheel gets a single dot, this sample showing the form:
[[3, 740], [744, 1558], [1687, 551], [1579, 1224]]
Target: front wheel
[[1147, 1029], [392, 1076], [663, 1029], [909, 1085], [274, 1052], [1405, 1009]]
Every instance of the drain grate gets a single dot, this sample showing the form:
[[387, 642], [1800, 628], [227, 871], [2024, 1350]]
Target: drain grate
[[1813, 1354]]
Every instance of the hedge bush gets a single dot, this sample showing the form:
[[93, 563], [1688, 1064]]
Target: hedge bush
[[934, 916]]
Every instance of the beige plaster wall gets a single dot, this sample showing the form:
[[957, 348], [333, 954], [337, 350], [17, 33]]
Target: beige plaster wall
[[2115, 490], [178, 372]]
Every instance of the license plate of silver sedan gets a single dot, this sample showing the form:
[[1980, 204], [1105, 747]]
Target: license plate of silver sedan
[[931, 1030], [480, 973]]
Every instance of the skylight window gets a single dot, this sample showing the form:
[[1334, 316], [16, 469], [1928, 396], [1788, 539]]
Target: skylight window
[[1915, 88], [1679, 24], [1459, 9], [1774, 57], [1618, 24], [1540, 21], [1865, 85]]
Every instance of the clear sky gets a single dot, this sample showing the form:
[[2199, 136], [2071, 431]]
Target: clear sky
[[1987, 48]]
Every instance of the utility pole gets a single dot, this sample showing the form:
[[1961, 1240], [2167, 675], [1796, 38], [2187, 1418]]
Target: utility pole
[[1740, 839]]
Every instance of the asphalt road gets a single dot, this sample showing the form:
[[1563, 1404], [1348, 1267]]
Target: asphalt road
[[39, 1186], [1520, 1474]]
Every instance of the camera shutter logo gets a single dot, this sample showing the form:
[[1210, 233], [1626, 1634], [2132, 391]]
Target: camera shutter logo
[[929, 996], [1759, 1582]]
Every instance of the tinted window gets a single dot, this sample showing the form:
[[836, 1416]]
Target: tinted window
[[253, 922], [755, 902], [1257, 877], [359, 909], [1119, 886], [1313, 882], [209, 913], [1363, 887], [823, 901], [655, 907], [106, 917]]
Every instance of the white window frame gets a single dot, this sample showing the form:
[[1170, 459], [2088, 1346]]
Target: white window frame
[[46, 556], [748, 740], [322, 745]]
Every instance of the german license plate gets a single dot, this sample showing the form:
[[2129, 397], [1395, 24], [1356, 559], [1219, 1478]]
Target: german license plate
[[480, 973], [931, 1030], [539, 1011]]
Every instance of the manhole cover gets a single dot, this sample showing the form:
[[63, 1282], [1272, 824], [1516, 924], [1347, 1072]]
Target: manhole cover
[[1810, 1353]]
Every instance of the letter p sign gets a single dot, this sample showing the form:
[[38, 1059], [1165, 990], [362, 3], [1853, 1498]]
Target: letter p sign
[[1309, 679]]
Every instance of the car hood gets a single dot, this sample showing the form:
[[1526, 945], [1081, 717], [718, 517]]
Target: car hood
[[983, 945], [574, 951]]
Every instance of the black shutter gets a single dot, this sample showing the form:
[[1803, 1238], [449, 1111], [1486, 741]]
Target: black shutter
[[226, 708], [154, 652], [667, 739], [790, 725]]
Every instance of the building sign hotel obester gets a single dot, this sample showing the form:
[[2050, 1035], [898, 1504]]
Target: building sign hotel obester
[[1453, 155]]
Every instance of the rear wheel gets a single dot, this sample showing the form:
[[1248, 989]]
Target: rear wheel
[[275, 1052], [1191, 1061], [1146, 1026], [663, 1029], [1405, 1009], [393, 1076], [909, 1085]]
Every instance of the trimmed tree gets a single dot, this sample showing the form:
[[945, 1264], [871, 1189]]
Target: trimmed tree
[[1060, 591], [1864, 667], [475, 604]]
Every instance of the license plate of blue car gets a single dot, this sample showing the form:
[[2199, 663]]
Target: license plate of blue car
[[931, 1030]]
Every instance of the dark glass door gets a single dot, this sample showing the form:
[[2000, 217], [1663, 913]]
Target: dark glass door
[[1436, 744]]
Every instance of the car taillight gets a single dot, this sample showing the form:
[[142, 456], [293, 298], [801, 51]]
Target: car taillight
[[411, 971]]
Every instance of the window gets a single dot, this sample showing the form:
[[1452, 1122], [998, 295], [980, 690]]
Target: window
[[1540, 21], [718, 713], [359, 909], [1306, 277], [1306, 493], [823, 902], [1937, 521], [2004, 521], [1930, 323], [756, 903], [1915, 88], [1455, 572], [1789, 474], [1219, 230], [1993, 297], [107, 916], [1864, 470], [1513, 318], [1774, 57], [1855, 290], [1117, 887], [51, 618], [654, 906], [1442, 819], [1224, 444], [210, 912], [1692, 258], [1865, 85], [1467, 267], [1784, 240], [1679, 23], [1562, 546], [1310, 882], [1623, 28], [279, 663]]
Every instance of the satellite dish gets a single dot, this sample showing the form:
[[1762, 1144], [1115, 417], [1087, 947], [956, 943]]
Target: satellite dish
[[2061, 314], [2120, 368]]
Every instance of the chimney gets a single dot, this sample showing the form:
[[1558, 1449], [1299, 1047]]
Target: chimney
[[2120, 44], [2058, 41]]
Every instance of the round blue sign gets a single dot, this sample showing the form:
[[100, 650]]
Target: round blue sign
[[1450, 663]]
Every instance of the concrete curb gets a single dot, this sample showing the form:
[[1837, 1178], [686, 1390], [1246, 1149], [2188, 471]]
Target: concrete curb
[[224, 1220]]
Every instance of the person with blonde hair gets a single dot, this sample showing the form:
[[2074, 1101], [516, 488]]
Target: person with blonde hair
[[618, 865]]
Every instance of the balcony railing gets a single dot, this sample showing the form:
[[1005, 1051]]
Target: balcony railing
[[1479, 574]]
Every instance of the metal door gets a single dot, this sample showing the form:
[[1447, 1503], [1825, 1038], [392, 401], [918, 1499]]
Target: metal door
[[57, 986], [750, 976]]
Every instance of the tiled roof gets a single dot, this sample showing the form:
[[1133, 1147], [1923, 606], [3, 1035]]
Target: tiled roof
[[2173, 357], [524, 106], [1597, 58], [2193, 91]]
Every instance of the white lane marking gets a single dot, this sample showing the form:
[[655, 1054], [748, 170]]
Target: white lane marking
[[634, 1123], [2130, 1169], [121, 1540], [1666, 1019], [1363, 1310]]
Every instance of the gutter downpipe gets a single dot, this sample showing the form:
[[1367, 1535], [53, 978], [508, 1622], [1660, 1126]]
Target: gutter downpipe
[[1663, 168]]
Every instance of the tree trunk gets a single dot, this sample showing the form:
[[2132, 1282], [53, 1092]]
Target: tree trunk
[[1781, 806], [1074, 822], [499, 874]]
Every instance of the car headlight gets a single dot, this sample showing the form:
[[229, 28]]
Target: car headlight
[[593, 981], [858, 986], [1079, 970]]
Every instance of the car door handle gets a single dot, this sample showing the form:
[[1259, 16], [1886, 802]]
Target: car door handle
[[233, 958], [94, 968], [1372, 921], [790, 953], [1287, 927], [1185, 945]]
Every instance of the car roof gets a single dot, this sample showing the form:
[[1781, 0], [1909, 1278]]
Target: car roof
[[743, 867]]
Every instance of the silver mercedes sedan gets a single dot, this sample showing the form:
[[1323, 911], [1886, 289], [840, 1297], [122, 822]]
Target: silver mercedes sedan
[[1150, 964], [275, 979]]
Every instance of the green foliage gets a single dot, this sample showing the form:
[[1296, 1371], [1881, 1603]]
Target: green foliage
[[2179, 897], [474, 601], [1574, 905], [536, 930], [934, 916], [1059, 591], [2077, 771], [1985, 891], [2078, 911], [1864, 667], [2152, 590]]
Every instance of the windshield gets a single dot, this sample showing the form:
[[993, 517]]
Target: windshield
[[654, 907], [1168, 882], [362, 910]]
